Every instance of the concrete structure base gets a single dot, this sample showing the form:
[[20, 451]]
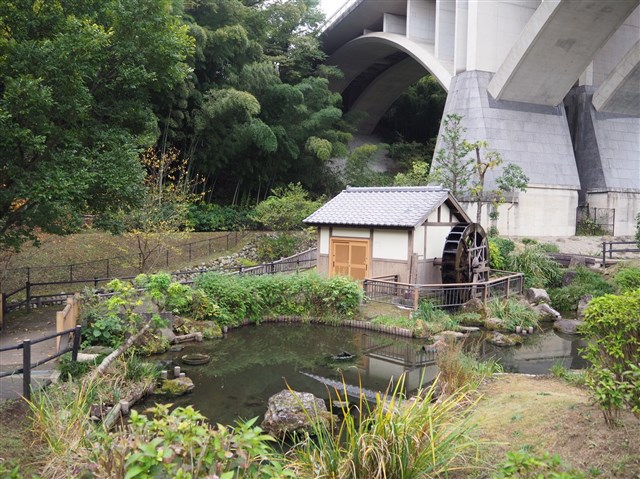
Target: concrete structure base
[[534, 137]]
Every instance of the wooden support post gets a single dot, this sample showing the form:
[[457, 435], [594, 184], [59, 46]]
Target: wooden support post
[[416, 298], [28, 295]]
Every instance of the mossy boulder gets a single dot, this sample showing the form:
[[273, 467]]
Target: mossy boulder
[[474, 306], [176, 387], [209, 329], [494, 324], [503, 340], [291, 411]]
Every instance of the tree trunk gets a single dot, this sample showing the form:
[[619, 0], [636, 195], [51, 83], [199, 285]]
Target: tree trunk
[[112, 357]]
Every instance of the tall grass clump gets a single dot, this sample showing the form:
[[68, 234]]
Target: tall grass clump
[[394, 438], [430, 319], [513, 313], [60, 417], [585, 282], [460, 370], [539, 270]]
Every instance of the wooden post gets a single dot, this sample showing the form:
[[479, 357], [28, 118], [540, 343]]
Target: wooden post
[[190, 251], [77, 335], [508, 287], [107, 268], [28, 294], [26, 369], [416, 298]]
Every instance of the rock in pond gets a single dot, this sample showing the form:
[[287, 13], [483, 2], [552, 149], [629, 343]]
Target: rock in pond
[[502, 340], [583, 303], [474, 306], [567, 326], [546, 312], [536, 295], [176, 387], [291, 411], [494, 324]]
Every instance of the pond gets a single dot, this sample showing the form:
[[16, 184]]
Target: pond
[[253, 363]]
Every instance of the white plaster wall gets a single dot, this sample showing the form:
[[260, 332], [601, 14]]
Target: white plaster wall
[[626, 204], [394, 24], [435, 240], [493, 29], [323, 247], [389, 244], [421, 20], [418, 242], [445, 29], [351, 232], [444, 215]]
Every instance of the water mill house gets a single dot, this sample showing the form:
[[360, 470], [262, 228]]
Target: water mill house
[[399, 231]]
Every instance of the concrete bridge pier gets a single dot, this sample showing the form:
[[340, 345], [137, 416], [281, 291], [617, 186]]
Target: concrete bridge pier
[[606, 147], [535, 137]]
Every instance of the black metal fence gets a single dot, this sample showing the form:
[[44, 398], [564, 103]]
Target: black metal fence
[[36, 295], [14, 280], [72, 346], [609, 248], [595, 221]]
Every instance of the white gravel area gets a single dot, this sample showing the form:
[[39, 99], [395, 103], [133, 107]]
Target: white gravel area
[[585, 245]]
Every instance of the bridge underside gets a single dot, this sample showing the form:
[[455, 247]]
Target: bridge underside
[[514, 78]]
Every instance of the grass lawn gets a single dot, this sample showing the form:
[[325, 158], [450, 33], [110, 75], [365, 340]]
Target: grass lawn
[[539, 413]]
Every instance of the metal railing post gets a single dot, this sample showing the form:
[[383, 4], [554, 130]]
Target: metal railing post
[[70, 272], [604, 254], [28, 294], [107, 267], [190, 251], [26, 369], [77, 337]]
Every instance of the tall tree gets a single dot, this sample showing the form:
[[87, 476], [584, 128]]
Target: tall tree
[[76, 81], [257, 112]]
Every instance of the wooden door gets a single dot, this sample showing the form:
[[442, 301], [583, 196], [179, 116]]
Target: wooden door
[[350, 257]]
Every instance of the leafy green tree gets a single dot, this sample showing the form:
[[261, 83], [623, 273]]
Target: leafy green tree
[[76, 82], [358, 170], [283, 213], [451, 164], [512, 179], [417, 176], [257, 112], [285, 209]]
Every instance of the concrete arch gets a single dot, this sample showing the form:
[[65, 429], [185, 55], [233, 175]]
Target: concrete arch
[[359, 54]]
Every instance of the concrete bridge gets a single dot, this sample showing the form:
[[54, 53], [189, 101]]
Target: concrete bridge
[[553, 85]]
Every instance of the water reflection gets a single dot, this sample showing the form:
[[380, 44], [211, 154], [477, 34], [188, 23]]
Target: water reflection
[[254, 363]]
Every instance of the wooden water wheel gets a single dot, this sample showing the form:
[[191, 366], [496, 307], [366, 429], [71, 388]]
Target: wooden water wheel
[[465, 258]]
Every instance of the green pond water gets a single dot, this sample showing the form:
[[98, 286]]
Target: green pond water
[[255, 362]]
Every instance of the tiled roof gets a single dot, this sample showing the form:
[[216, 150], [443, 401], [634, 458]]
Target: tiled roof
[[403, 206]]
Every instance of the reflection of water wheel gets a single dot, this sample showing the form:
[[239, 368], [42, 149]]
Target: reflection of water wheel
[[465, 258]]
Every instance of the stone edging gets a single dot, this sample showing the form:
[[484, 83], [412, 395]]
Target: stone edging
[[350, 323]]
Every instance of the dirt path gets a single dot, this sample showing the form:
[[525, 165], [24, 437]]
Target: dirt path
[[547, 414]]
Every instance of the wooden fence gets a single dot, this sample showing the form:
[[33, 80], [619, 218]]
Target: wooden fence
[[68, 317], [611, 247]]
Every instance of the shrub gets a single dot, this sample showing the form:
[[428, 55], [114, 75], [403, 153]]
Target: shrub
[[539, 271], [305, 294], [181, 444], [627, 279], [505, 247], [103, 329], [585, 282], [393, 438], [524, 465], [613, 333], [285, 209], [271, 248], [213, 217], [496, 260], [513, 313]]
